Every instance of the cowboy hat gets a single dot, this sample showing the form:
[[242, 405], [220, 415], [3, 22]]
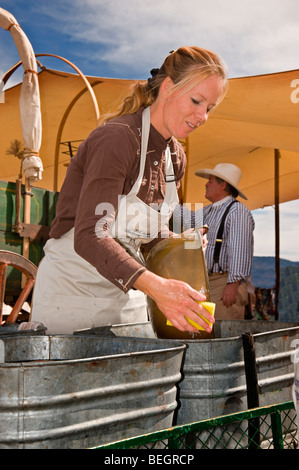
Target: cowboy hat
[[227, 172]]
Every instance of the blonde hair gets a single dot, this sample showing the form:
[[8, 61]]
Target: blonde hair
[[182, 66]]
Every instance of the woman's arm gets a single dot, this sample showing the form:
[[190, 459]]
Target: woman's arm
[[176, 300]]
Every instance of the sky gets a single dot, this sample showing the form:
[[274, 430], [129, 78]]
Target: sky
[[127, 38]]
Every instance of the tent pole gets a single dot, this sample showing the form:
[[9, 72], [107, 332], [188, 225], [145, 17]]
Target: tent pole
[[60, 130], [184, 189], [277, 230]]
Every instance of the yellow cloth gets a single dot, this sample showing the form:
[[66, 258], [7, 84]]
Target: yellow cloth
[[209, 306]]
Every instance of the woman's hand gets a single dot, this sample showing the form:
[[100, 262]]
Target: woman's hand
[[176, 300]]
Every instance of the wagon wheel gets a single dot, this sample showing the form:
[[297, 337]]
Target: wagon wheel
[[8, 258]]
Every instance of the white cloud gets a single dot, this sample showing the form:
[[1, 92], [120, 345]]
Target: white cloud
[[9, 57], [264, 233], [252, 37]]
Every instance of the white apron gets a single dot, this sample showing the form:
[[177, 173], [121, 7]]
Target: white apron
[[69, 292]]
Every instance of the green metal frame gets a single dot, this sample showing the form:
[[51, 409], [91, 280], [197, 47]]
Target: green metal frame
[[274, 426]]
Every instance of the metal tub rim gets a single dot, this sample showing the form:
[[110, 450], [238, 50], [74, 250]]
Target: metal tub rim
[[107, 329], [226, 339], [168, 346]]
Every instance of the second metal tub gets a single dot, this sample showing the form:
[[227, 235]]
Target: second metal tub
[[213, 371]]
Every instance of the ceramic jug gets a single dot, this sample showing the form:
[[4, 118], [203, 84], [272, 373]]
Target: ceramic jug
[[181, 258]]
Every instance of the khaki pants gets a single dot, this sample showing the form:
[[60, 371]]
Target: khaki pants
[[236, 311]]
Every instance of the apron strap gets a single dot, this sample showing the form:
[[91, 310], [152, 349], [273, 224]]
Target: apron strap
[[171, 197], [169, 172], [146, 122]]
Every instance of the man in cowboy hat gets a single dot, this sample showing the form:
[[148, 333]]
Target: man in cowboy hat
[[229, 260]]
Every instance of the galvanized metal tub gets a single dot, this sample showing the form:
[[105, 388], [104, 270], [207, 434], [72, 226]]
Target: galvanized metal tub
[[74, 391], [213, 371]]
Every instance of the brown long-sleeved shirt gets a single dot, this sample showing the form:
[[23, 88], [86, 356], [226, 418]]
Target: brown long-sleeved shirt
[[105, 167]]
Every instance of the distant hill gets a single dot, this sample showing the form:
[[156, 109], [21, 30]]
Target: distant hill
[[263, 276], [263, 270], [288, 306]]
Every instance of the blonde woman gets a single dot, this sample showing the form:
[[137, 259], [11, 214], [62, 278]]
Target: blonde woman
[[118, 195]]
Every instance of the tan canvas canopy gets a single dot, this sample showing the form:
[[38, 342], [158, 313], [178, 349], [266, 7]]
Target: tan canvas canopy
[[258, 115], [69, 114]]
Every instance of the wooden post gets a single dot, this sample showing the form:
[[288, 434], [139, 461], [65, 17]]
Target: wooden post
[[17, 224], [277, 230], [26, 220]]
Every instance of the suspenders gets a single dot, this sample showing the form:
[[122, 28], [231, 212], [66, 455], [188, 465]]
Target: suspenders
[[219, 239]]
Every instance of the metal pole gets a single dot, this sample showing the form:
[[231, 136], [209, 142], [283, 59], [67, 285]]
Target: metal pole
[[252, 389], [277, 430], [277, 230], [183, 195]]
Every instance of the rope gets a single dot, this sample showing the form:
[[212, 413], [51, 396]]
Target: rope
[[30, 71], [30, 152]]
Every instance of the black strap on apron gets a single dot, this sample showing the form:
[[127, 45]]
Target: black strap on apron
[[219, 239]]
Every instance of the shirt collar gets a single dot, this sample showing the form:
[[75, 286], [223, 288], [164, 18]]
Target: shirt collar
[[222, 201]]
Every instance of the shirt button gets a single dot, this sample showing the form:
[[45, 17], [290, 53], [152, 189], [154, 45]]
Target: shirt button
[[152, 187], [121, 281], [156, 163]]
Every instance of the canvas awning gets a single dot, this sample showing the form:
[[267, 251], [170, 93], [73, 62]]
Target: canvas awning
[[68, 116], [258, 115]]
